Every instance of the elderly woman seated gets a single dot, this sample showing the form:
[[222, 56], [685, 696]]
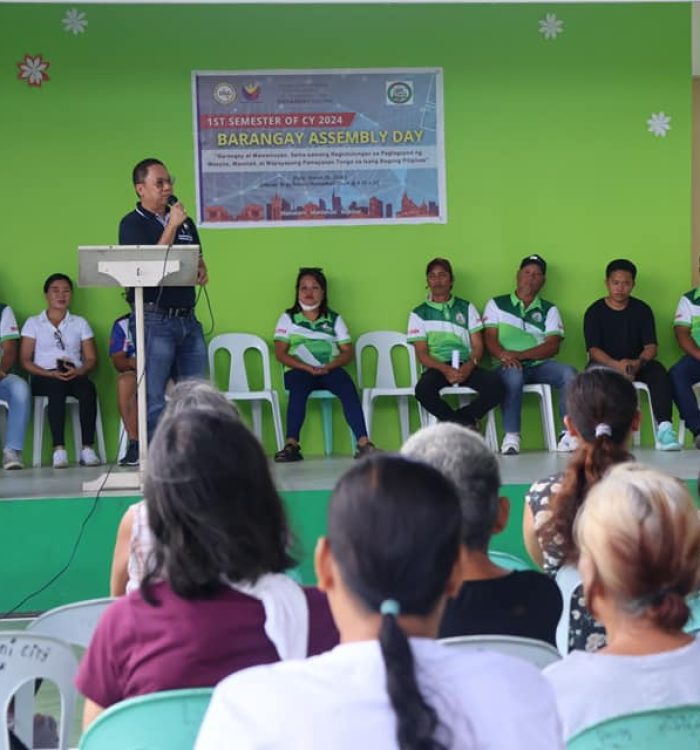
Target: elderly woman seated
[[214, 598], [639, 536]]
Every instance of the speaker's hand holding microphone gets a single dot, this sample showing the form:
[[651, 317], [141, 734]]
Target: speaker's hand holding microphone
[[178, 215]]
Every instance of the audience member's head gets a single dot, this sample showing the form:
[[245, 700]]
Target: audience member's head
[[54, 277], [197, 394], [212, 507], [394, 536], [463, 456], [639, 539], [602, 412]]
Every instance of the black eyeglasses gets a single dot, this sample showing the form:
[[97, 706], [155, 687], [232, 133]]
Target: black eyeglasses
[[59, 339]]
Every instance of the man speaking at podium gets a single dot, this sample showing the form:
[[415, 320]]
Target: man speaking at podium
[[174, 343]]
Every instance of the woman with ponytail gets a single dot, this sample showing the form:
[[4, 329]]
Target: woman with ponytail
[[603, 413], [639, 537], [388, 564]]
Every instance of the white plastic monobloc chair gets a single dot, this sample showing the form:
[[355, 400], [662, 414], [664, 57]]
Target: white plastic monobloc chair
[[26, 657], [237, 344], [4, 410], [644, 388], [71, 623], [568, 580], [536, 652], [464, 394], [385, 385], [544, 393], [72, 408]]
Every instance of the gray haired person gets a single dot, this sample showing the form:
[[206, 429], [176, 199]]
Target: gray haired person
[[492, 600]]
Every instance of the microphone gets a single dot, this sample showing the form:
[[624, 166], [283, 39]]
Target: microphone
[[172, 200]]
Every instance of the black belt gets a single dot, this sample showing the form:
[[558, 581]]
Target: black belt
[[169, 312]]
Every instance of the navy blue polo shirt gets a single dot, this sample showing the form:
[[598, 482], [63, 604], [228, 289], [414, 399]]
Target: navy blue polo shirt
[[142, 227]]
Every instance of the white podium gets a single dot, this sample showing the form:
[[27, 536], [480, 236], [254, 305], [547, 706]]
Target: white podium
[[136, 266]]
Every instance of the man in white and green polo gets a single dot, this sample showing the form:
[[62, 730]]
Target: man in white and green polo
[[446, 333], [524, 332], [686, 372]]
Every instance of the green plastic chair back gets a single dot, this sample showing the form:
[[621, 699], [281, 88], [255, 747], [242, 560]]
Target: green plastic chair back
[[693, 624], [661, 729], [506, 560], [169, 720]]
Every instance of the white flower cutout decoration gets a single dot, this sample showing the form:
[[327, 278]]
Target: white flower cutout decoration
[[659, 124], [551, 26], [75, 21], [33, 70]]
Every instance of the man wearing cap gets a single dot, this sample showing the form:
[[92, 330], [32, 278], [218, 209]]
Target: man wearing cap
[[446, 333], [524, 332]]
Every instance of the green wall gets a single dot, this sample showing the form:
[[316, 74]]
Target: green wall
[[546, 148]]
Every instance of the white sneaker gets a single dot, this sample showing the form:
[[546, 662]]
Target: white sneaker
[[12, 459], [88, 457], [60, 458], [511, 444], [567, 443]]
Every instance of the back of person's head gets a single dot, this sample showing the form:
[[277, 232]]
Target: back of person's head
[[394, 532], [212, 506], [463, 456], [197, 394], [621, 264], [602, 406], [639, 533]]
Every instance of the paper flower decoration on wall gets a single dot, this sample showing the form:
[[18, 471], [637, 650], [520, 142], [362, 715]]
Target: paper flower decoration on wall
[[659, 124], [551, 26], [33, 70], [75, 21]]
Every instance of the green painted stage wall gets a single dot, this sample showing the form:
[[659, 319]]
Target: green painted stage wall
[[36, 537], [547, 150]]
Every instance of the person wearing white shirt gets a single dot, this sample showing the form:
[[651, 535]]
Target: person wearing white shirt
[[13, 391], [58, 351], [388, 564], [639, 537]]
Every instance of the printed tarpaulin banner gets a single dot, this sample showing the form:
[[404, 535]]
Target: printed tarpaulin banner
[[290, 148]]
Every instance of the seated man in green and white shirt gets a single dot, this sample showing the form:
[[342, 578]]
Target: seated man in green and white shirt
[[446, 333], [524, 333]]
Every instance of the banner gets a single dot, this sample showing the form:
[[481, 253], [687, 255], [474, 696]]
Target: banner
[[291, 148]]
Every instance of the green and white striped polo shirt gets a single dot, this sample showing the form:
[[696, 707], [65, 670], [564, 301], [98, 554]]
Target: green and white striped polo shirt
[[688, 313], [446, 326], [312, 341], [521, 327]]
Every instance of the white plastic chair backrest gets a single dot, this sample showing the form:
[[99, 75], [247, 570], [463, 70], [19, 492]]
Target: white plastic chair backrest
[[568, 579], [25, 657], [72, 623], [538, 653], [384, 343], [237, 344]]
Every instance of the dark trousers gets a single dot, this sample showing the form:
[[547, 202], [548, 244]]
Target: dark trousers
[[654, 374], [490, 393], [81, 388], [683, 375], [300, 384]]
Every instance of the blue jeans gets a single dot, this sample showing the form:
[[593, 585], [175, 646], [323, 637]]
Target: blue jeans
[[175, 349], [549, 372], [683, 374], [300, 384], [15, 391]]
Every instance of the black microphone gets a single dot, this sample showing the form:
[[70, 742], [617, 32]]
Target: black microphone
[[172, 200]]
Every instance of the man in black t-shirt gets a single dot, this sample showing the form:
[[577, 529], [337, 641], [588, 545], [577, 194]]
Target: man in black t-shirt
[[620, 333], [175, 345], [493, 600]]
